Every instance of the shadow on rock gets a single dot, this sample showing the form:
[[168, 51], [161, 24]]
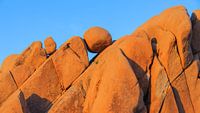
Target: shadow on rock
[[36, 104], [178, 101]]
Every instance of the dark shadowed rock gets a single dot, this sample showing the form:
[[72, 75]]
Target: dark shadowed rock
[[195, 31]]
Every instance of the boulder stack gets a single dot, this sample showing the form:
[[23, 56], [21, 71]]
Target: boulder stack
[[153, 70]]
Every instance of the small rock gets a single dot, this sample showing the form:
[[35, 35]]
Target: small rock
[[50, 45]]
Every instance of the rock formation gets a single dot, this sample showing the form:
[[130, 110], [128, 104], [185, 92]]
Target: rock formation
[[97, 39], [153, 70], [50, 45]]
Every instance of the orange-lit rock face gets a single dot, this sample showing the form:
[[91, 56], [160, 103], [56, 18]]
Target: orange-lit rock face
[[16, 103], [7, 86], [70, 102], [97, 39], [102, 89], [42, 88], [159, 85], [193, 82], [166, 21], [139, 52], [153, 70], [113, 89], [9, 63], [70, 60], [27, 62], [50, 45]]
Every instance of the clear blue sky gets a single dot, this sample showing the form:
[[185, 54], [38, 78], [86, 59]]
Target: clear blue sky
[[25, 21]]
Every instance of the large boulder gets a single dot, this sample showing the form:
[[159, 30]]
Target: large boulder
[[70, 60], [102, 96], [95, 85], [139, 52], [97, 39], [27, 62], [167, 20], [42, 88], [179, 17], [164, 45]]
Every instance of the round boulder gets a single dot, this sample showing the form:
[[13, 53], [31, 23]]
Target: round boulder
[[97, 39]]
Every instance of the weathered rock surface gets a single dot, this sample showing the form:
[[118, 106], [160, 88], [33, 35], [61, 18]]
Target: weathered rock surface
[[42, 88], [16, 103], [7, 86], [193, 82], [158, 86], [9, 63], [94, 92], [97, 39], [102, 96], [70, 60], [70, 102], [153, 70], [27, 62], [50, 45], [169, 104], [166, 21], [139, 52]]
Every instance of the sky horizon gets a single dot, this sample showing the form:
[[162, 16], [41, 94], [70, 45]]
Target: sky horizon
[[23, 22]]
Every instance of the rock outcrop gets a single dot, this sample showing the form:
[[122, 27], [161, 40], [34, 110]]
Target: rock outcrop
[[153, 70]]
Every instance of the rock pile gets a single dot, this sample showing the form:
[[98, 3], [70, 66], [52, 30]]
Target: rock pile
[[155, 69]]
